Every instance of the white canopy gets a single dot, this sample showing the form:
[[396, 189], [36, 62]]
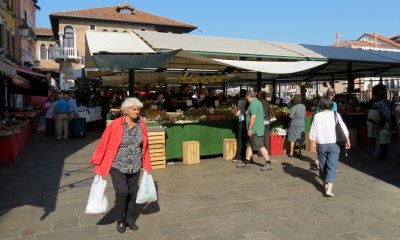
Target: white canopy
[[220, 46], [272, 67], [116, 42]]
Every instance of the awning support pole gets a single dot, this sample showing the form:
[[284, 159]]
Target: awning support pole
[[332, 81], [350, 79], [224, 89], [131, 82], [273, 88], [258, 82]]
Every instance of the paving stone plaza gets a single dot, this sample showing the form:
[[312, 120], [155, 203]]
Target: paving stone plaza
[[43, 196]]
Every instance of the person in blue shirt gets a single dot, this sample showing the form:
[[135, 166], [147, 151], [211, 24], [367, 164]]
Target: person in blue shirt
[[331, 94], [61, 111]]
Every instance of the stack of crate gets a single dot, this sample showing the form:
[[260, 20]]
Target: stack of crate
[[157, 149]]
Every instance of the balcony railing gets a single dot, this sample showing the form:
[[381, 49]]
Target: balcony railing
[[66, 53]]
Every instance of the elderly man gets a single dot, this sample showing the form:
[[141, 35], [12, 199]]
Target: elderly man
[[61, 111], [255, 132]]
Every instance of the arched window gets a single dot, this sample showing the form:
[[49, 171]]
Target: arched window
[[51, 52], [43, 52], [104, 30], [115, 30], [68, 37]]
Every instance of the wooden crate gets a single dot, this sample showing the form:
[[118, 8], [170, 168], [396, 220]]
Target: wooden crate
[[229, 149], [191, 152], [157, 149], [308, 142]]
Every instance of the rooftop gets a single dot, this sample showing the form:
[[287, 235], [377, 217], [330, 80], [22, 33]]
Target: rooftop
[[115, 13]]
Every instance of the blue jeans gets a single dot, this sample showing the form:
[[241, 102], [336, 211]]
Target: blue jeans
[[328, 155]]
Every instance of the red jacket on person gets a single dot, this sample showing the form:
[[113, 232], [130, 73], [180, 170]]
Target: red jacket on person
[[104, 155]]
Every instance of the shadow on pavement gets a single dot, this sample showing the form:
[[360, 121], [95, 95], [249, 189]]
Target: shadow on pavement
[[305, 175], [34, 178], [362, 160]]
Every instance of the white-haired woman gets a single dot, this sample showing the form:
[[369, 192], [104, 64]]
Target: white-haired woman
[[122, 151]]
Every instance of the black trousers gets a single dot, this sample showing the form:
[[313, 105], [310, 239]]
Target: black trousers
[[241, 137], [126, 188], [266, 136], [50, 126]]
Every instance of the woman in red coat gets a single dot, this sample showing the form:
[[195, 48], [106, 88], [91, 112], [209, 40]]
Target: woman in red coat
[[122, 151]]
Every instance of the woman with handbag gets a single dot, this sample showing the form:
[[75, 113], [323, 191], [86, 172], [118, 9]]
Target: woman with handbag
[[122, 151], [324, 136]]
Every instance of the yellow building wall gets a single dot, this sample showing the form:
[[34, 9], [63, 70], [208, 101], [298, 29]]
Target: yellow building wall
[[9, 24]]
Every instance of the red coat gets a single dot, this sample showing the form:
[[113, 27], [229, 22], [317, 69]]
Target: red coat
[[104, 155]]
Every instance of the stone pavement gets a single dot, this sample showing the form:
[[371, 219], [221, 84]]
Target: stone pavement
[[43, 196]]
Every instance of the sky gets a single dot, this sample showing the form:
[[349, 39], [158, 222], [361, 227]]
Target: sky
[[297, 21]]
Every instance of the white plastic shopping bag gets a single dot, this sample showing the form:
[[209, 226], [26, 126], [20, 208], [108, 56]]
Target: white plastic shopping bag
[[147, 190], [97, 201]]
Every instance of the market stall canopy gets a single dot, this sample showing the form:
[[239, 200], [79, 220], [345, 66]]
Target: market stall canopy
[[343, 62], [273, 67], [276, 60], [116, 42], [7, 67], [35, 84], [176, 59], [230, 48]]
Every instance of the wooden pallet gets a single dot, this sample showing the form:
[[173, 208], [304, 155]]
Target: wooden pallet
[[157, 149]]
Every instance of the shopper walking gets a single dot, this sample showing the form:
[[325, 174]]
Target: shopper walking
[[241, 135], [50, 122], [331, 94], [123, 149], [323, 137], [379, 115], [297, 124], [255, 132]]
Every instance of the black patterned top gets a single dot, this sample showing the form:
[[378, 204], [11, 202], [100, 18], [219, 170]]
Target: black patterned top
[[129, 156]]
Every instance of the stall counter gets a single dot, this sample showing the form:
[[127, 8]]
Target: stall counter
[[210, 134]]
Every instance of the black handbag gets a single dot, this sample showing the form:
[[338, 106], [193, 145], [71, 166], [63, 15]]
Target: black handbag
[[341, 138]]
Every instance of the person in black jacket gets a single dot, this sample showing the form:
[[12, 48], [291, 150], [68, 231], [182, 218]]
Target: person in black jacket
[[262, 96], [241, 127]]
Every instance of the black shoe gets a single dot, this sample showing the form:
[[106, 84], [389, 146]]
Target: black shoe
[[132, 226], [243, 165], [121, 227], [267, 166]]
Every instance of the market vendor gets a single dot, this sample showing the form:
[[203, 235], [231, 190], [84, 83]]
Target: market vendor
[[210, 100], [183, 99]]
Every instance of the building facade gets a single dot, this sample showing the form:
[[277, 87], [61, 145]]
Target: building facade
[[69, 34], [376, 42]]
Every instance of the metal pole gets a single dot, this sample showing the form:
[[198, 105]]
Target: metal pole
[[131, 82], [258, 87], [350, 79]]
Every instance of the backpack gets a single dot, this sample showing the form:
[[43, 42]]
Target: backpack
[[374, 115]]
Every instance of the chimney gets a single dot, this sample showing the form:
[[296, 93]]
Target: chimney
[[337, 39], [375, 40]]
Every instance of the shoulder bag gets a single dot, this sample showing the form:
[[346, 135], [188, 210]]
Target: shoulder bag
[[341, 138]]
